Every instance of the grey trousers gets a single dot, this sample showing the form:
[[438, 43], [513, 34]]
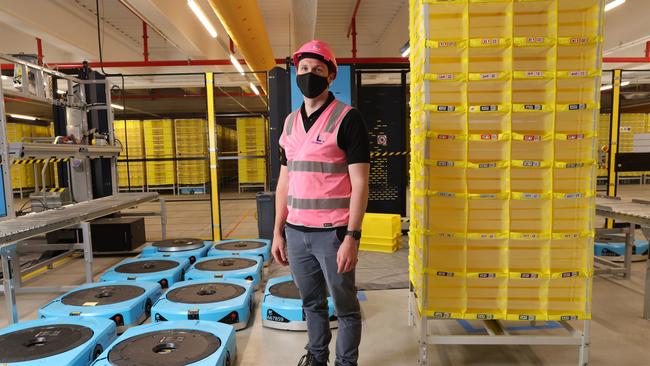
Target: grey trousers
[[312, 259]]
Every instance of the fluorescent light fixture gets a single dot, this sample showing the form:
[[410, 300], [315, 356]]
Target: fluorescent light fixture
[[59, 91], [254, 88], [236, 64], [405, 49], [117, 106], [610, 86], [22, 116], [614, 4], [204, 20]]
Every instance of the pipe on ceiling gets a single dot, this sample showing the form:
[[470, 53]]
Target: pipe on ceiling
[[245, 26]]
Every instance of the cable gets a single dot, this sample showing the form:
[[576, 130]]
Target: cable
[[99, 37]]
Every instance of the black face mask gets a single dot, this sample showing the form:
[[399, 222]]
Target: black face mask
[[311, 85]]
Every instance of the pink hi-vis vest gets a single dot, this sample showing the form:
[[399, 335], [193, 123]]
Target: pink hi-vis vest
[[319, 183]]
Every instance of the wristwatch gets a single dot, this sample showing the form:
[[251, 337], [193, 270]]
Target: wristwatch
[[356, 235]]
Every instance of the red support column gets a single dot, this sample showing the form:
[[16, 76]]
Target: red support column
[[354, 37], [145, 42], [39, 47], [647, 49]]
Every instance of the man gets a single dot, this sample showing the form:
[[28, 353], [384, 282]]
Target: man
[[321, 197]]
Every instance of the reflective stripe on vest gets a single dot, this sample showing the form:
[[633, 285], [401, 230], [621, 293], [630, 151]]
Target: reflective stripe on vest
[[290, 120], [317, 167], [318, 203], [334, 117]]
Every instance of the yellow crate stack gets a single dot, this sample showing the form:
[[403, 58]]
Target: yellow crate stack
[[132, 175], [381, 233], [191, 142], [504, 108], [251, 141], [159, 143], [631, 124], [227, 144], [22, 176]]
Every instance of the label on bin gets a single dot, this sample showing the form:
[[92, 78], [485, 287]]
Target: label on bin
[[534, 74], [441, 315], [484, 316], [489, 136], [445, 108], [445, 163], [532, 138], [579, 40], [576, 136], [487, 165], [574, 165], [577, 106], [445, 77], [447, 44], [532, 163], [489, 41], [446, 137], [531, 196], [578, 74], [533, 107], [444, 274], [626, 129], [566, 318], [535, 40], [529, 275], [489, 76], [527, 317], [574, 195], [487, 275], [570, 274], [484, 108], [446, 194]]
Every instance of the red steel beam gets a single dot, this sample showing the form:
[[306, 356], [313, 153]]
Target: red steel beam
[[627, 59], [354, 15], [145, 42], [39, 48], [173, 63], [354, 37]]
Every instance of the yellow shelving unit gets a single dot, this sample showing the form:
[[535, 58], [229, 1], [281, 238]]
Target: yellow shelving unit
[[251, 141], [504, 107], [191, 143], [159, 144], [132, 174]]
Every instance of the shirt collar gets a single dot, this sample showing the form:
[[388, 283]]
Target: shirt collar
[[314, 116]]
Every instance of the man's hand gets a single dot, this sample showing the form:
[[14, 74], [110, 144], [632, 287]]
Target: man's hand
[[278, 249], [346, 258]]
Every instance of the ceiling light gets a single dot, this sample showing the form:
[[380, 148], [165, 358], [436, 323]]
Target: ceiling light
[[117, 106], [254, 88], [204, 20], [236, 64], [22, 116], [59, 91], [405, 49], [614, 4], [610, 86]]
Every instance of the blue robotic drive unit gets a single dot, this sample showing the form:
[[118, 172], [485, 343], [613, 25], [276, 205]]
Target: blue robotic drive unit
[[243, 267], [173, 343], [62, 341], [282, 306], [189, 248], [126, 303], [225, 301], [166, 271], [261, 247]]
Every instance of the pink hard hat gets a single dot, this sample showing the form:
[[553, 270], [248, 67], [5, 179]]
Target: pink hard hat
[[316, 48]]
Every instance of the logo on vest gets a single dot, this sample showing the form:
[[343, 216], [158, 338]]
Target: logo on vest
[[319, 140]]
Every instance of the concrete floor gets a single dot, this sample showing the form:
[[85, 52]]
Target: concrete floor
[[619, 334]]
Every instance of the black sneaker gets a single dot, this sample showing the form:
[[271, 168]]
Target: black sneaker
[[309, 360]]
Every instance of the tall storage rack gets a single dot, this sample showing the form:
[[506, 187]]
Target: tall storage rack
[[251, 148], [132, 174], [191, 144], [504, 108], [159, 151]]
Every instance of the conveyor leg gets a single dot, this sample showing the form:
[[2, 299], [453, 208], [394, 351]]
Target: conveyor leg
[[646, 302], [163, 218], [629, 249], [88, 250], [8, 284]]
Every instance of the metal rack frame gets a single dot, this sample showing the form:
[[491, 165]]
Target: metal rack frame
[[13, 231]]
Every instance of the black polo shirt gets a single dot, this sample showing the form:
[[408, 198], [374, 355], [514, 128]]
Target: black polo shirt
[[352, 138]]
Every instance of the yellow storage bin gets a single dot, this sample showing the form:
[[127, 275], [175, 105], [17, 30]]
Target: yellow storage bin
[[381, 245], [454, 217], [133, 175], [487, 257], [527, 298], [446, 295], [570, 254], [567, 298], [530, 214], [529, 256], [486, 298], [380, 225], [446, 254]]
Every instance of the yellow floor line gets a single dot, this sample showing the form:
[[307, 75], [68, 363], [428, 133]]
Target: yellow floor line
[[241, 219], [41, 270]]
